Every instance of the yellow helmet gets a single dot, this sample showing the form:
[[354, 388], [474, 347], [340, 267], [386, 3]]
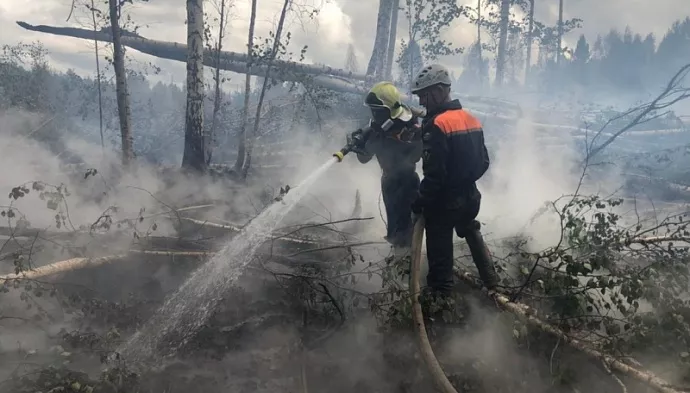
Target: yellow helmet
[[386, 95]]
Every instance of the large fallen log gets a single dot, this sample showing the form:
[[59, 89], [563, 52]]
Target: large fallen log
[[528, 314], [320, 75], [135, 41], [326, 77]]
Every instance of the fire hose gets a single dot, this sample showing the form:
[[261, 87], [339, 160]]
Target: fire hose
[[355, 141], [439, 377]]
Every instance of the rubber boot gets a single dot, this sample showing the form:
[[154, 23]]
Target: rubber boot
[[481, 256]]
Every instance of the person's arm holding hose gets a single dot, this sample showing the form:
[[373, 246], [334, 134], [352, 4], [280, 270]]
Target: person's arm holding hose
[[364, 153]]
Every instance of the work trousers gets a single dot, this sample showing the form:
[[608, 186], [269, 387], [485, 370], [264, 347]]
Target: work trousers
[[399, 190], [441, 225]]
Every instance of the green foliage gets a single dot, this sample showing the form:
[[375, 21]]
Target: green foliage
[[624, 283], [409, 60], [427, 20]]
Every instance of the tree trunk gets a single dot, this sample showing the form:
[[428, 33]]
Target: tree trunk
[[377, 62], [530, 35], [395, 9], [479, 43], [351, 63], [322, 76], [242, 140], [98, 73], [194, 157], [216, 95], [264, 87], [123, 109], [560, 32], [502, 40]]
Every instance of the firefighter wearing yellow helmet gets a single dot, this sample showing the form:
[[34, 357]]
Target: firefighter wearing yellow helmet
[[396, 142]]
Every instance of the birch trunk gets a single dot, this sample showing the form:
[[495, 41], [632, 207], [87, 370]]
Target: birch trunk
[[264, 87], [98, 80], [241, 146], [530, 36], [559, 54], [479, 43], [194, 157], [123, 108], [502, 40], [395, 9], [323, 76], [216, 95]]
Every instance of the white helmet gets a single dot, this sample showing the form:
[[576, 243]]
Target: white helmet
[[431, 75]]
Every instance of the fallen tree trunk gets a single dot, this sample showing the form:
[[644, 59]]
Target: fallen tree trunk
[[322, 76], [83, 263], [661, 239], [61, 267], [527, 314]]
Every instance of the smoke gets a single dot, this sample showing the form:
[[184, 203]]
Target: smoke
[[524, 175]]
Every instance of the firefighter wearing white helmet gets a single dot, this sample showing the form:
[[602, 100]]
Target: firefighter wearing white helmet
[[397, 147], [431, 75], [454, 157]]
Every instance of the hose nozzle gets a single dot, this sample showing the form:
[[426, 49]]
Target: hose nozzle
[[339, 155]]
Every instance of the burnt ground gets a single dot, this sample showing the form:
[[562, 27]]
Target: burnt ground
[[270, 333], [262, 338]]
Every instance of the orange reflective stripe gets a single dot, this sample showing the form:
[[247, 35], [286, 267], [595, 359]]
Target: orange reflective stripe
[[457, 121]]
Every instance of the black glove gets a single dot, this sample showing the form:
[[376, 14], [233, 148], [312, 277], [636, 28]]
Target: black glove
[[357, 142], [418, 206]]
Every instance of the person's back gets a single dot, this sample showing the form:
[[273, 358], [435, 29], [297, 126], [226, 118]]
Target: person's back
[[466, 158], [454, 158]]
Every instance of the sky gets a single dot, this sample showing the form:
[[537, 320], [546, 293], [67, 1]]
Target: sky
[[338, 24]]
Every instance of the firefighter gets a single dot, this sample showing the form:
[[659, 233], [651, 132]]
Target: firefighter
[[454, 157], [398, 148]]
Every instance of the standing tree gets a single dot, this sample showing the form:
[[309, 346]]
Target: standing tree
[[502, 41], [123, 108], [395, 9], [194, 157], [351, 63], [223, 9], [476, 70], [549, 50], [530, 36], [581, 56], [504, 31], [426, 20], [480, 57], [93, 11], [559, 54], [474, 59], [410, 60], [242, 143], [271, 58], [377, 61]]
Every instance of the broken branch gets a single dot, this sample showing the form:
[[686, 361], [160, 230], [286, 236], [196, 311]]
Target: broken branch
[[527, 314]]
